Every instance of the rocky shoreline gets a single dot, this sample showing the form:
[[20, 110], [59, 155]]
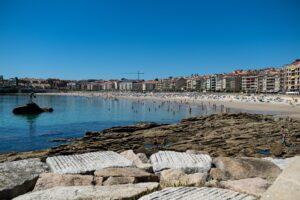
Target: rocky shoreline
[[219, 135], [221, 156], [164, 175]]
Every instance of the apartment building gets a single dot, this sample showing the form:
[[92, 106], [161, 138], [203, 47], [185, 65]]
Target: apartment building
[[178, 84], [163, 84], [232, 83], [292, 77], [250, 84], [148, 86], [219, 83], [194, 83], [269, 83], [211, 83]]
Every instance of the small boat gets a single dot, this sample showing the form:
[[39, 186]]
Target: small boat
[[30, 108]]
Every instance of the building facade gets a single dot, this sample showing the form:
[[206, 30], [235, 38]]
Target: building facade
[[292, 77]]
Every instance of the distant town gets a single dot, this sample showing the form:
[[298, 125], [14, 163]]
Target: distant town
[[283, 80]]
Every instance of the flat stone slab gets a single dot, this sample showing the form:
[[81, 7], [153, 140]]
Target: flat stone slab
[[190, 193], [114, 192], [189, 163], [195, 193], [19, 177], [287, 185], [82, 163]]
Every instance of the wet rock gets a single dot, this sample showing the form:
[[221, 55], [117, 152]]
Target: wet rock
[[88, 162], [19, 177], [139, 163], [189, 163], [137, 127], [188, 193], [49, 180], [253, 186], [137, 174], [114, 192], [287, 185], [241, 168]]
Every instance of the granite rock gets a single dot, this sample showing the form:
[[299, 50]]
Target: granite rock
[[253, 186], [189, 163], [287, 185], [19, 177], [194, 193], [241, 168], [49, 180], [137, 161], [114, 192], [88, 162], [176, 177]]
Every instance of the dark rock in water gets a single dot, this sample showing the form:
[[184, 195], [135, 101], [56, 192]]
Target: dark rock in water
[[30, 108], [62, 140]]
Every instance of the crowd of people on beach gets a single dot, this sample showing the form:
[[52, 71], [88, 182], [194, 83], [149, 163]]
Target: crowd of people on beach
[[194, 97]]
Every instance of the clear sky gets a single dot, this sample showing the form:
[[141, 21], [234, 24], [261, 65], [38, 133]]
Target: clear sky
[[75, 39]]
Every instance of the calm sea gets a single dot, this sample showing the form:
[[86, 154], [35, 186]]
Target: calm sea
[[73, 116]]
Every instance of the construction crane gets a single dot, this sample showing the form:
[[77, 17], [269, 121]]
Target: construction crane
[[138, 73]]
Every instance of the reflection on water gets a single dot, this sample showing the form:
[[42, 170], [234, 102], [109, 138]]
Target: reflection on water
[[31, 121]]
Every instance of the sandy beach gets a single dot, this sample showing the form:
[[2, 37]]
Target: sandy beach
[[280, 105]]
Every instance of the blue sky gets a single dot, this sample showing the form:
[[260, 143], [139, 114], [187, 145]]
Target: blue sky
[[75, 39]]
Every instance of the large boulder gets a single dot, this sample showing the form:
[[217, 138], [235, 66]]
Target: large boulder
[[49, 180], [19, 177], [188, 193], [241, 168], [287, 185], [254, 186], [87, 162], [125, 175], [114, 192], [189, 163], [138, 160], [177, 177]]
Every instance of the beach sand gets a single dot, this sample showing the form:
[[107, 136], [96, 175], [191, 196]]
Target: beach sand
[[279, 105]]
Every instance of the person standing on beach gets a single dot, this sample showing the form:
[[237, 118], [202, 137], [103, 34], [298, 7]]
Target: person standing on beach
[[283, 135]]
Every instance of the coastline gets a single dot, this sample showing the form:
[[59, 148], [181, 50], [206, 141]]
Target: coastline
[[279, 105], [240, 134]]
